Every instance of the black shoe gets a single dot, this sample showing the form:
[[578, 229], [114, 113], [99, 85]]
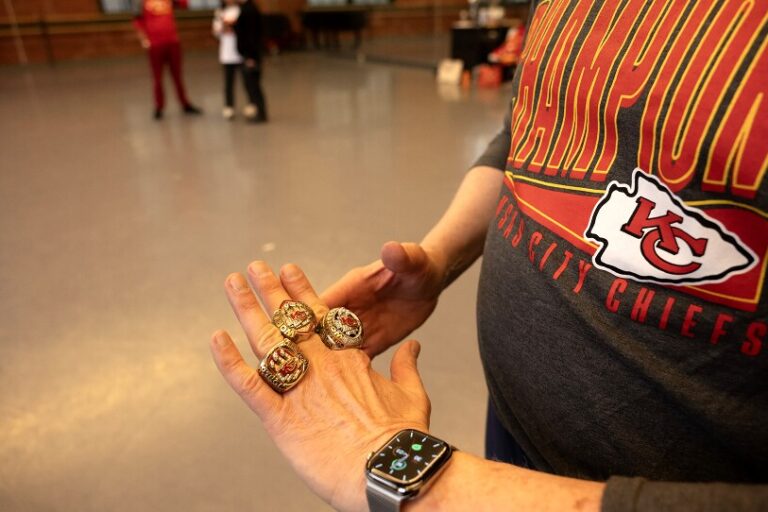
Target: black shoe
[[259, 119], [192, 110], [158, 115]]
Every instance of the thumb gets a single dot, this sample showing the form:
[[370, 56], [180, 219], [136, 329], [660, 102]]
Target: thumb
[[404, 258], [403, 367]]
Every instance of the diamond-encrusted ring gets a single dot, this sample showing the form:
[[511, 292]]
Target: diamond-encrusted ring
[[340, 328]]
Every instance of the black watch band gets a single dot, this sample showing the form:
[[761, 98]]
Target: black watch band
[[382, 500]]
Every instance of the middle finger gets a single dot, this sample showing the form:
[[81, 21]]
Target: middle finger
[[270, 289], [297, 285], [267, 286]]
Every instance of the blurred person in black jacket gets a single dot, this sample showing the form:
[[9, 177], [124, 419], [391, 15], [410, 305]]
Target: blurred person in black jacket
[[249, 30]]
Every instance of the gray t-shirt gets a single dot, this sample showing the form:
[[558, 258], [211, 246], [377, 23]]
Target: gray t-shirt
[[622, 317]]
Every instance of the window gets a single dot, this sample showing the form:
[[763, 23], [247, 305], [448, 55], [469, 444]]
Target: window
[[337, 3], [204, 4], [123, 6], [115, 6]]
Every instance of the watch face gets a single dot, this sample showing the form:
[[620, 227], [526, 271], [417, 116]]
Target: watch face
[[408, 457]]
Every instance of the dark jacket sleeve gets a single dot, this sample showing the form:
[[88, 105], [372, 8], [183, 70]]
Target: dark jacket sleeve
[[641, 495], [497, 151], [249, 31]]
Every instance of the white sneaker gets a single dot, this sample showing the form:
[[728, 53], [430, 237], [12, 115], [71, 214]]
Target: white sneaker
[[228, 113], [250, 111]]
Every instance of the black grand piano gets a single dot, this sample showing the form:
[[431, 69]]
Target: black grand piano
[[324, 24]]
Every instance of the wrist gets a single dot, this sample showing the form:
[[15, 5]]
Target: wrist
[[440, 262], [437, 495], [452, 257], [403, 467], [370, 445]]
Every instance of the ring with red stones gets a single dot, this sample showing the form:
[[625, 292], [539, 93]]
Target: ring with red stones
[[340, 329], [294, 319], [283, 366]]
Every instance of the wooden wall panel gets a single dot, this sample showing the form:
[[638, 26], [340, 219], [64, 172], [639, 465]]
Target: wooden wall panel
[[291, 8], [33, 46], [121, 41], [51, 7], [77, 29], [54, 7], [411, 22], [22, 8]]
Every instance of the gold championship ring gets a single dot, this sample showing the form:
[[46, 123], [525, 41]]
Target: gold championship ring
[[283, 366], [294, 319], [340, 329]]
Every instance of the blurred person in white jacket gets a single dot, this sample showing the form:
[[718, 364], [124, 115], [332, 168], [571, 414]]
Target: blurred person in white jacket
[[232, 62]]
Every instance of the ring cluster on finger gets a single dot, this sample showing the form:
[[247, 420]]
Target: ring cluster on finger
[[284, 365]]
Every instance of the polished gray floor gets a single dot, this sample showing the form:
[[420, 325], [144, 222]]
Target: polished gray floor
[[116, 233]]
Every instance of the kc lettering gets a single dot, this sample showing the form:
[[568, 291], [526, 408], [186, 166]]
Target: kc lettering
[[648, 234], [659, 235]]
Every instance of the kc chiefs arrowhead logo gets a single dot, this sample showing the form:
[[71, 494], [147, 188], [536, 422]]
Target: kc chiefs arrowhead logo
[[646, 233]]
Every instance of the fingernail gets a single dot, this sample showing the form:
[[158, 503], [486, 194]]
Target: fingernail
[[237, 283], [220, 339], [259, 269], [415, 348], [291, 271]]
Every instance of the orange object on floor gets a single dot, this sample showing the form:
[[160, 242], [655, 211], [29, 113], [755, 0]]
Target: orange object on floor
[[488, 75]]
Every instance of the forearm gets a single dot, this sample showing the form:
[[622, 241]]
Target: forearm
[[472, 483], [457, 239]]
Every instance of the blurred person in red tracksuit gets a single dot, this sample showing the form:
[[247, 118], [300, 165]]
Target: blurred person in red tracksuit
[[156, 28]]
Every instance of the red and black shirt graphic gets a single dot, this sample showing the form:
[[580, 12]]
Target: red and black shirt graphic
[[637, 135], [622, 310]]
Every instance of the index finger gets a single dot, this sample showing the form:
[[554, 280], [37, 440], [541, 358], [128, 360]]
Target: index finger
[[261, 334]]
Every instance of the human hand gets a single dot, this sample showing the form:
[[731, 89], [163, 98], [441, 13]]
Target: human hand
[[340, 411], [250, 63], [144, 41], [392, 296]]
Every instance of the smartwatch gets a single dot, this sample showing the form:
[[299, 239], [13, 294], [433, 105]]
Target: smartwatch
[[398, 470]]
